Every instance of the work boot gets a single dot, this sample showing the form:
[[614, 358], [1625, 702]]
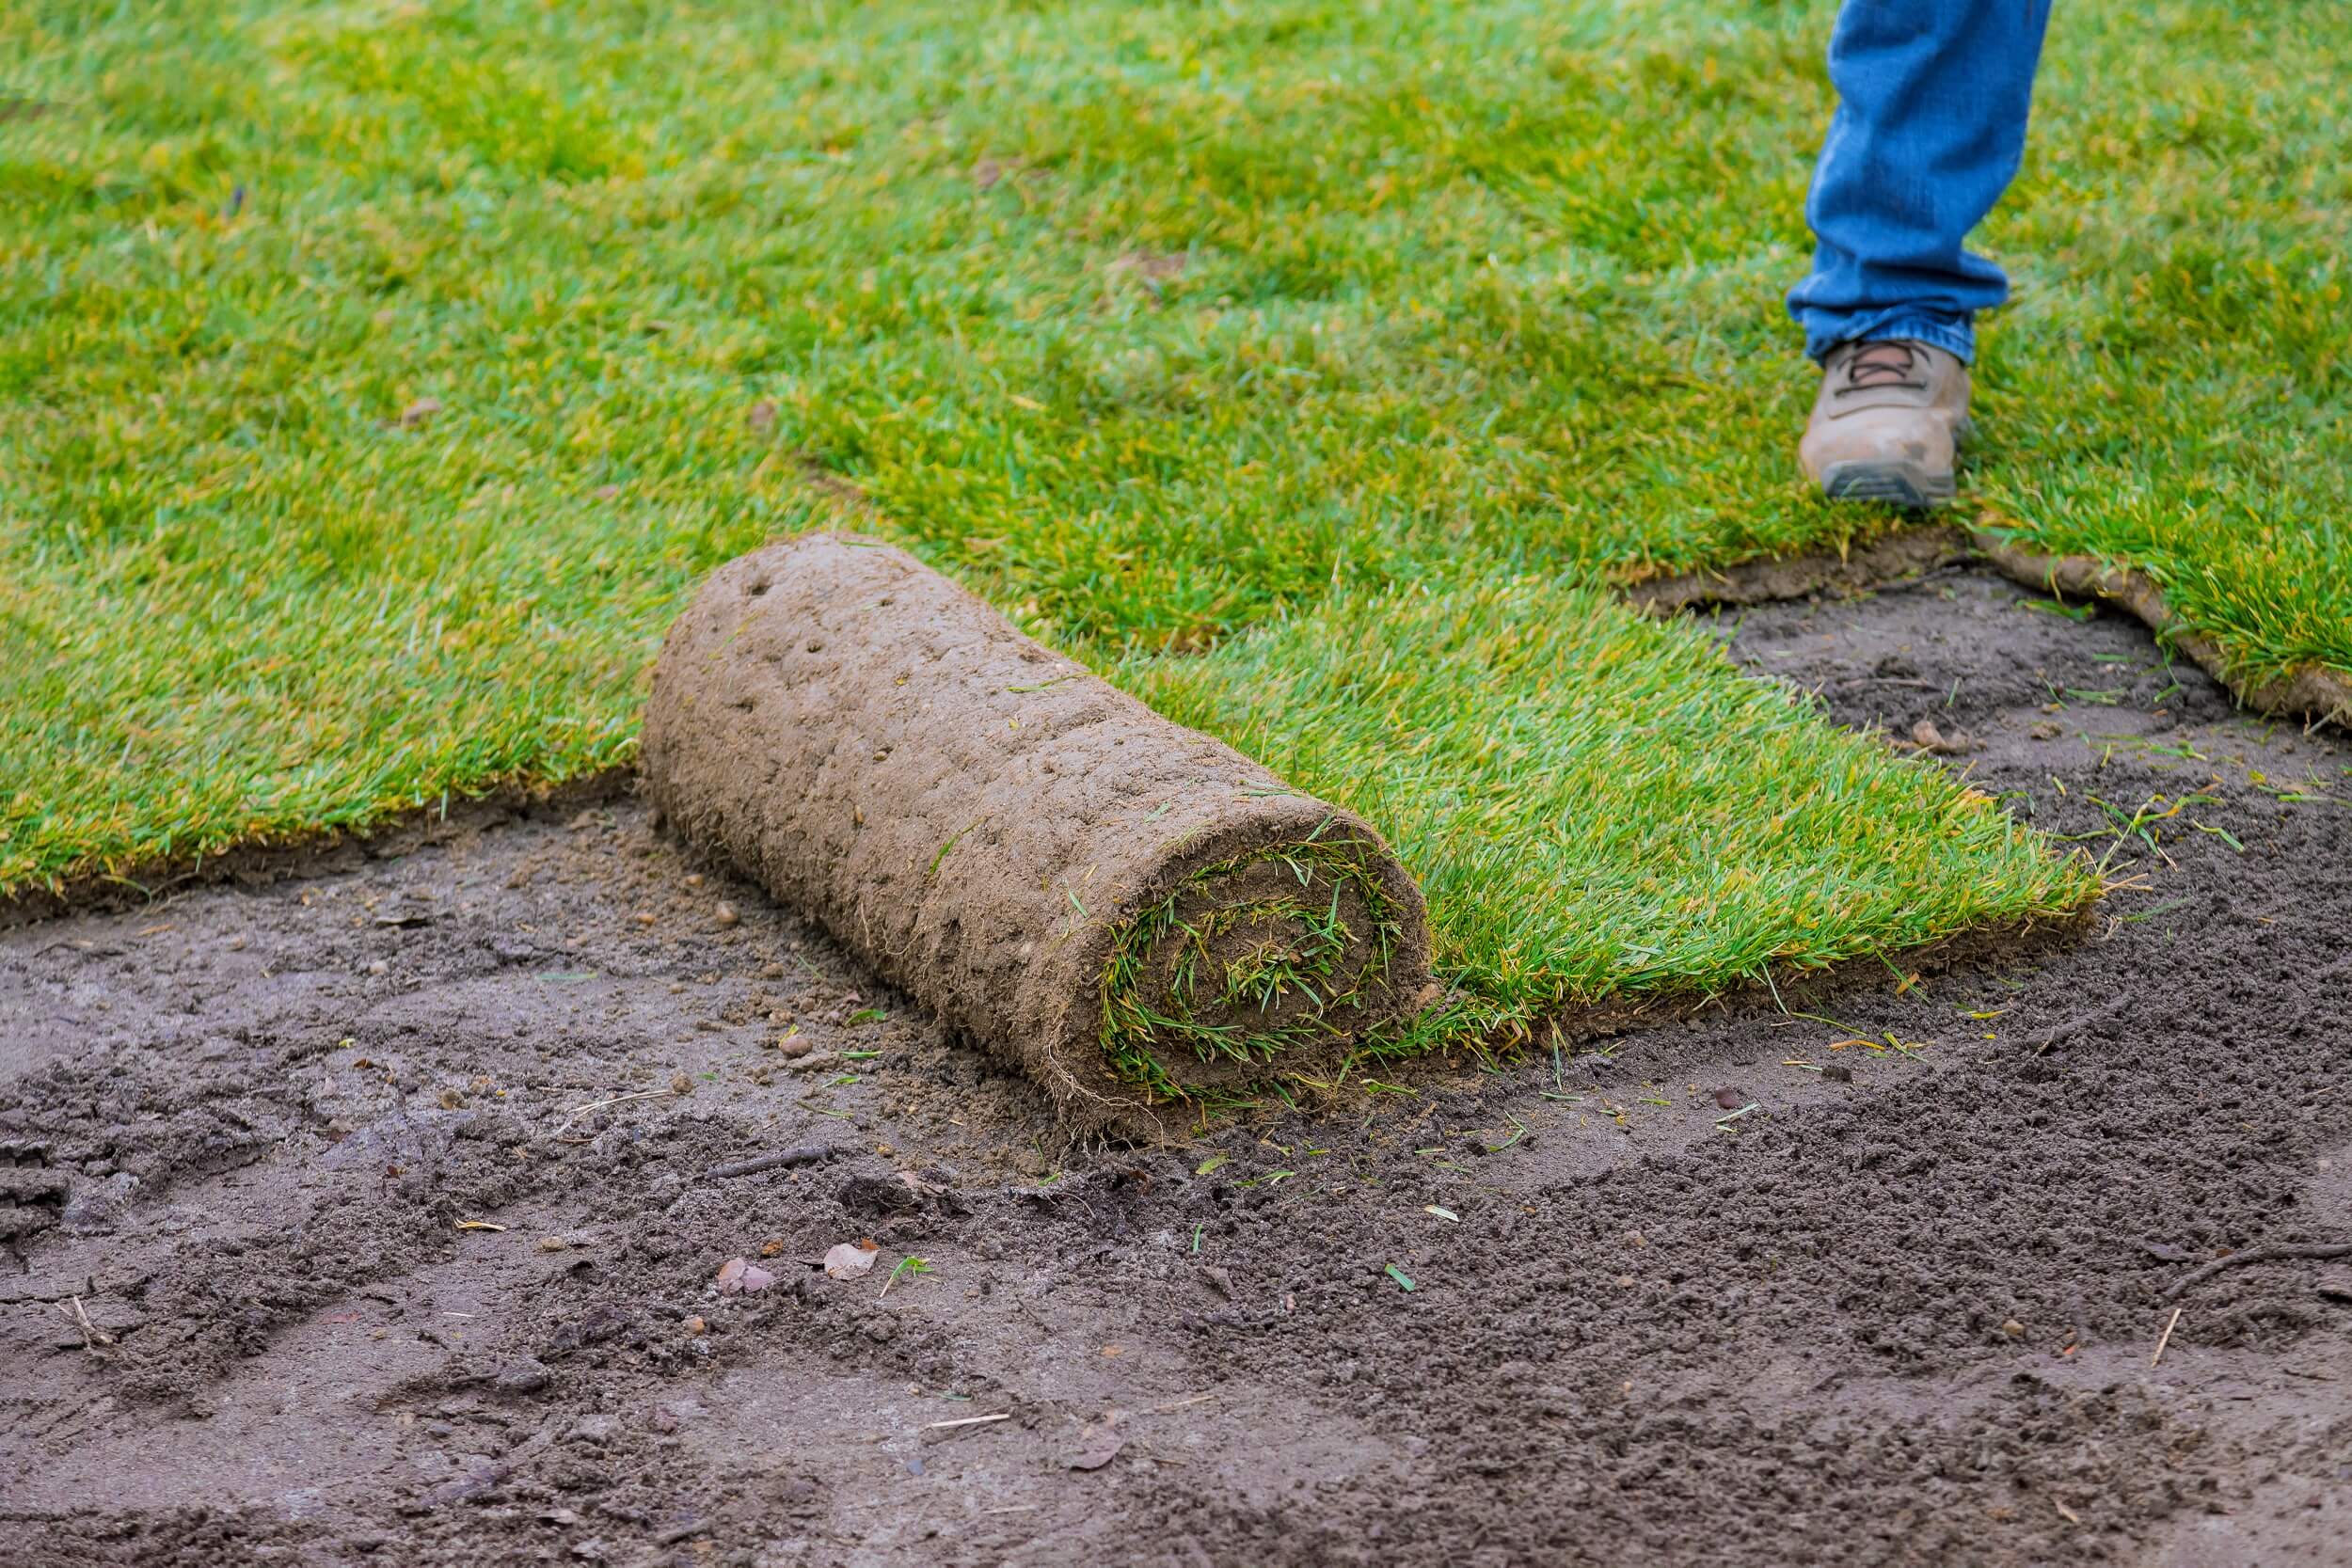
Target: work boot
[[1890, 415]]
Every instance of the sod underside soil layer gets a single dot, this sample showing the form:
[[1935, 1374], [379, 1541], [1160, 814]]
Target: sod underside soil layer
[[1144, 920], [1875, 1280]]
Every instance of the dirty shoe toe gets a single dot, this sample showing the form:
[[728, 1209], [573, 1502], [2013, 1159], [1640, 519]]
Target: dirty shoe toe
[[1887, 422]]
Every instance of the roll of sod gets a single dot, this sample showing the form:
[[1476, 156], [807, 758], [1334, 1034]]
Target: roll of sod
[[1144, 920]]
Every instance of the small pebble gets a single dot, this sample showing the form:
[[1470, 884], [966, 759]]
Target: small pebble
[[552, 1243], [645, 917], [527, 1375], [772, 972], [680, 1083], [725, 914], [695, 1325], [1731, 1100], [795, 1045], [379, 967], [693, 879], [2015, 1329], [597, 1428]]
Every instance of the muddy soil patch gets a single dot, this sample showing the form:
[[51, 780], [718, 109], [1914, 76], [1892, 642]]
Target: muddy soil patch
[[1719, 1291]]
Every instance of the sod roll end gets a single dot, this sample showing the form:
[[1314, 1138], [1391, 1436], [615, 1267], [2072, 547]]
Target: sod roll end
[[1145, 921]]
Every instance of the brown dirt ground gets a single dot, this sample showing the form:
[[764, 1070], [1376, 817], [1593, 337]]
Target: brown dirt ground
[[1907, 1318]]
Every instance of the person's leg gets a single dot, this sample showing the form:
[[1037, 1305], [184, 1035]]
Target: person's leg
[[1931, 103]]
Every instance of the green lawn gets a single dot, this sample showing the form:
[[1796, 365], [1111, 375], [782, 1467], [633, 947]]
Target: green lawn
[[1155, 323], [1597, 804]]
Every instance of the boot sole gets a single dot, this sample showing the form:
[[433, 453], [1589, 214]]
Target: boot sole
[[1901, 484]]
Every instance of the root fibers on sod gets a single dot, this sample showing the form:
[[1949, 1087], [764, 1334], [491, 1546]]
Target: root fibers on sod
[[1136, 913]]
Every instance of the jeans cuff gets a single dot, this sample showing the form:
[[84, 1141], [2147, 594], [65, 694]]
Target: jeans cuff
[[1955, 336]]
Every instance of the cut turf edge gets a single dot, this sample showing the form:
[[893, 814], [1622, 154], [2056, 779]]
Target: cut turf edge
[[1423, 1055], [1785, 987], [277, 857], [2314, 693], [1897, 556]]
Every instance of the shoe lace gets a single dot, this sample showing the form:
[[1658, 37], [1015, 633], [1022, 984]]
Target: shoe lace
[[1880, 364]]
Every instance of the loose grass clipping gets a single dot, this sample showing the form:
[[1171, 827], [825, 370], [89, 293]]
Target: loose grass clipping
[[1145, 921]]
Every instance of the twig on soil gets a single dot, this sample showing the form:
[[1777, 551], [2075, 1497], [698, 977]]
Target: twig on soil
[[803, 1154], [1179, 1404], [968, 1422], [2075, 1025], [577, 1110], [2166, 1338], [2257, 1255], [1886, 680], [618, 1099], [92, 1336]]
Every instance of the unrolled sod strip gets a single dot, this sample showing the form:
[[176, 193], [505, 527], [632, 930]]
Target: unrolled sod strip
[[1143, 919]]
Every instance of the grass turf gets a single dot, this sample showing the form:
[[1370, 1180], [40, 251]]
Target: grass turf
[[373, 377], [1596, 804]]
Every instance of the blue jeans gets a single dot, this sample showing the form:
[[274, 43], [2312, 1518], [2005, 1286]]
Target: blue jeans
[[1931, 124]]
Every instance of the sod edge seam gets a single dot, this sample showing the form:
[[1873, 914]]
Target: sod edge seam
[[2312, 693]]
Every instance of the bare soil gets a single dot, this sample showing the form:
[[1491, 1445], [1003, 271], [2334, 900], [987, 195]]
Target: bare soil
[[1901, 1310]]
